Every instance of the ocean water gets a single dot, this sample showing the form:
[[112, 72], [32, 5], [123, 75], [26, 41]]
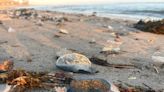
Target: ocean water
[[119, 10]]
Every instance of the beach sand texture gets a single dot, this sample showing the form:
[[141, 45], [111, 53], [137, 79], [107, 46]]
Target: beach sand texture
[[33, 47]]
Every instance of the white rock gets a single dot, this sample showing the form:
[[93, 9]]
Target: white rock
[[92, 41], [107, 48], [114, 88], [113, 34], [74, 63], [39, 23], [10, 30], [110, 27], [64, 31], [158, 57], [112, 46]]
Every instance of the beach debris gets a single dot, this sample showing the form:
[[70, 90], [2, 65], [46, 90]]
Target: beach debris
[[113, 34], [2, 42], [101, 60], [92, 85], [63, 31], [29, 59], [65, 18], [26, 81], [57, 35], [132, 78], [122, 33], [118, 38], [3, 77], [151, 41], [151, 26], [1, 22], [6, 66], [75, 63], [94, 14], [39, 23], [112, 47], [110, 50], [23, 12], [126, 87], [156, 69], [23, 80], [60, 78], [158, 58], [11, 30], [60, 89], [110, 27], [93, 41]]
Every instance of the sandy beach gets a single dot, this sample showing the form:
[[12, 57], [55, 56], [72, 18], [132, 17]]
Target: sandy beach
[[33, 46]]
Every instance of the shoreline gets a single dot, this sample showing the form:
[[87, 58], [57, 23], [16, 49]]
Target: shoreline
[[89, 12]]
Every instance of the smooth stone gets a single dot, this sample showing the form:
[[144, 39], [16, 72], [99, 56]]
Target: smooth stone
[[110, 50], [39, 23], [64, 31], [158, 58], [1, 22], [93, 41], [112, 47], [75, 63], [10, 30], [92, 85], [110, 27]]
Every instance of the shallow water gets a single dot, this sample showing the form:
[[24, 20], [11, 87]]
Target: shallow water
[[126, 10]]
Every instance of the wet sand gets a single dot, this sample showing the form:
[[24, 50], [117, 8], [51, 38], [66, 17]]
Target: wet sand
[[33, 47]]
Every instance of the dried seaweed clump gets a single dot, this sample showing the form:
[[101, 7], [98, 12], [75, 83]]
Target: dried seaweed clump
[[22, 80]]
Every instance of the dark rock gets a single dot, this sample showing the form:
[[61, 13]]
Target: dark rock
[[92, 85], [26, 13], [122, 33], [102, 60], [57, 35], [130, 88], [2, 42], [1, 22], [94, 14], [99, 60], [151, 26]]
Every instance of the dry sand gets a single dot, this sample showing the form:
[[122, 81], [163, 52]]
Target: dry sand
[[34, 47]]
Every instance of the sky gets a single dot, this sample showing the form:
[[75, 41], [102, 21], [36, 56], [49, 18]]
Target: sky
[[69, 2]]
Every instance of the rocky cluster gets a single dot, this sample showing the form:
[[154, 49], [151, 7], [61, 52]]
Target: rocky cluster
[[151, 26], [33, 14]]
